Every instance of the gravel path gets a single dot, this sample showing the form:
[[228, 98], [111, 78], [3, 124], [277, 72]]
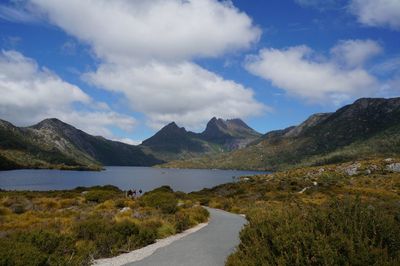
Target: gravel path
[[206, 244], [209, 246]]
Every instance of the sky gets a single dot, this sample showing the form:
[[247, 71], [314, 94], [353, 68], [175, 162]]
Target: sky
[[123, 69]]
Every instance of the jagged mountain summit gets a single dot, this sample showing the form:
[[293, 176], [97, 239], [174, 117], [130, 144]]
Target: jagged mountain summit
[[232, 133], [368, 127], [55, 144], [173, 142]]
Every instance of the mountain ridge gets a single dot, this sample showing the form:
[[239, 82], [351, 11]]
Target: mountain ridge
[[52, 143], [174, 142], [350, 132]]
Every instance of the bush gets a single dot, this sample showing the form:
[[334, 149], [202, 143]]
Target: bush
[[342, 233], [99, 196], [165, 230], [109, 237], [20, 254], [161, 199], [40, 247], [146, 237], [199, 214], [182, 221]]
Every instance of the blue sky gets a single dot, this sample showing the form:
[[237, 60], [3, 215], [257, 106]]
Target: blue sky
[[123, 69]]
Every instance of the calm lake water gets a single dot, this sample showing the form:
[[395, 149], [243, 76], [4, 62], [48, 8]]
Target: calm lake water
[[145, 178]]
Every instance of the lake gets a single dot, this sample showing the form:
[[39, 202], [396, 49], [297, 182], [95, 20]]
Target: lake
[[145, 178]]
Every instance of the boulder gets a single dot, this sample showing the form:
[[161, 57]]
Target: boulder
[[394, 167]]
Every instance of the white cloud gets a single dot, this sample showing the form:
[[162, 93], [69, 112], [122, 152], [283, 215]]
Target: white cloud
[[129, 141], [124, 31], [355, 53], [301, 73], [30, 94], [378, 13], [146, 47], [182, 92]]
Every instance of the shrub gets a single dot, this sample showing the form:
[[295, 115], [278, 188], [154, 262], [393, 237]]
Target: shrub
[[165, 230], [146, 236], [162, 200], [342, 233], [99, 195], [182, 221], [20, 254], [199, 214], [108, 237]]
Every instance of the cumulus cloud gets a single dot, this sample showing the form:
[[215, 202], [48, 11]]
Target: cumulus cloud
[[300, 72], [31, 93], [355, 53], [377, 13], [182, 92], [146, 49], [123, 30]]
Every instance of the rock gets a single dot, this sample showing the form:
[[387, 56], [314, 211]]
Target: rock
[[373, 167], [352, 169], [137, 215], [368, 172], [125, 209], [394, 167], [388, 160]]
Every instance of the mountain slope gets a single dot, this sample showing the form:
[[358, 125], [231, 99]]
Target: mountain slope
[[105, 151], [173, 142], [365, 128], [54, 144]]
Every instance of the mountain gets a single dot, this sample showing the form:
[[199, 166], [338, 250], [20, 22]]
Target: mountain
[[55, 144], [232, 134], [368, 127], [173, 142], [174, 139]]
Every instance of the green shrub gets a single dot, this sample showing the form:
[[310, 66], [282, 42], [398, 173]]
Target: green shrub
[[109, 237], [342, 233], [199, 214], [99, 195], [15, 253], [146, 236], [126, 228], [161, 199], [182, 221]]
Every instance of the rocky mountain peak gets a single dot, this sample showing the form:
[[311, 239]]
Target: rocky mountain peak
[[52, 123], [172, 128], [170, 133], [238, 122]]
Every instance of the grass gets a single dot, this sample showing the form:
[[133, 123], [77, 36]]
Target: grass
[[315, 215], [76, 226]]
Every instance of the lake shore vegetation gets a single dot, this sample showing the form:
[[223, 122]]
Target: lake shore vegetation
[[74, 227]]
